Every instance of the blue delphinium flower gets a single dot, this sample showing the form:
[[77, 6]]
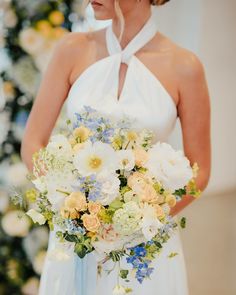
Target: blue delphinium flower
[[140, 251], [74, 228]]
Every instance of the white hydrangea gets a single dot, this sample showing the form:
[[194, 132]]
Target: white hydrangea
[[168, 166], [110, 188], [127, 219], [16, 174], [60, 147]]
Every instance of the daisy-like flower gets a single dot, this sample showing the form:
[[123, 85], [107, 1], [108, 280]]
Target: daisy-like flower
[[126, 159], [96, 158]]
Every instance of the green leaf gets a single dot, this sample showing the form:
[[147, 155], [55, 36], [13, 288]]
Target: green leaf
[[80, 250], [124, 273], [183, 222]]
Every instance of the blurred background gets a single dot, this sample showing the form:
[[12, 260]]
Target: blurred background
[[29, 30]]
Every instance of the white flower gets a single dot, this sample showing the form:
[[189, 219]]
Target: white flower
[[16, 174], [36, 216], [96, 158], [39, 262], [168, 166], [60, 147], [127, 219], [16, 223], [109, 189], [126, 159], [150, 223], [25, 75], [119, 290], [10, 18], [30, 287], [31, 41]]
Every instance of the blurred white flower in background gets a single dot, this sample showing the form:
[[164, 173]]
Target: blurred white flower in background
[[31, 41], [39, 261], [16, 174], [36, 240], [16, 224]]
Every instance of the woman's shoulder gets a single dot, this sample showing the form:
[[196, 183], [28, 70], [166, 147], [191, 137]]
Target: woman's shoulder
[[185, 62], [79, 42]]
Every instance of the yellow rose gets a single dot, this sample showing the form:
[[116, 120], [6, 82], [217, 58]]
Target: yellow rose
[[91, 222], [94, 207], [77, 201], [170, 200], [82, 133], [141, 156], [56, 18]]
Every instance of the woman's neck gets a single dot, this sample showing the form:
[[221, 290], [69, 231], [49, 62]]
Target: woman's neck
[[134, 21]]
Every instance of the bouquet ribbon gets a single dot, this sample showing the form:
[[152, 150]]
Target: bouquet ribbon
[[85, 276]]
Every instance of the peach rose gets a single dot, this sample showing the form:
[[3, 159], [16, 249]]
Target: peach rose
[[94, 207], [148, 194], [69, 213], [77, 201], [91, 222], [137, 178], [171, 200], [159, 211], [141, 156]]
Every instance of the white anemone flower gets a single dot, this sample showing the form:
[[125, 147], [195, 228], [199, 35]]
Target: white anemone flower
[[96, 158]]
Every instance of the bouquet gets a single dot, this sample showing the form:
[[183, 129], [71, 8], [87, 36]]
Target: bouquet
[[107, 188]]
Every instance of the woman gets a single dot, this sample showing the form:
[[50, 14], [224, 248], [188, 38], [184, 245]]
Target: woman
[[128, 68]]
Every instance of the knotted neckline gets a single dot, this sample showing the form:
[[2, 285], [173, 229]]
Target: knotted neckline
[[147, 32]]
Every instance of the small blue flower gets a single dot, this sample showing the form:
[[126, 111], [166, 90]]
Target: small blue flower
[[140, 251]]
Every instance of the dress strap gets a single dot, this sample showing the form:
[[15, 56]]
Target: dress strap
[[147, 32]]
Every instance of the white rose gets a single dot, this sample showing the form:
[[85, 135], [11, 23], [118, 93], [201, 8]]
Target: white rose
[[150, 227], [36, 216], [168, 166], [16, 223]]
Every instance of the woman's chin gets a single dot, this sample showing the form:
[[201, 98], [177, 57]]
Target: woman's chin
[[101, 16]]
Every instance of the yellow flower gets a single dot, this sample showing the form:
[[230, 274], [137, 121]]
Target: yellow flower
[[56, 18], [44, 27], [72, 141], [159, 211], [78, 147], [69, 213], [31, 195], [117, 142], [132, 135], [82, 133]]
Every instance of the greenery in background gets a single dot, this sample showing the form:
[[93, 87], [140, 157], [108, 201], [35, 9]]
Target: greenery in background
[[29, 31]]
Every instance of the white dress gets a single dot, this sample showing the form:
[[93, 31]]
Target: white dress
[[144, 99]]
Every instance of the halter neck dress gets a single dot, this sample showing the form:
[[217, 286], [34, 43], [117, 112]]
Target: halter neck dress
[[144, 99]]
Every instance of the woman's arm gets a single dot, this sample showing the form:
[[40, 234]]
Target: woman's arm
[[51, 95], [195, 116]]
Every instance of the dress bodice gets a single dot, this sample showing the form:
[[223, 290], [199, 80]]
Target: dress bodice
[[143, 98]]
